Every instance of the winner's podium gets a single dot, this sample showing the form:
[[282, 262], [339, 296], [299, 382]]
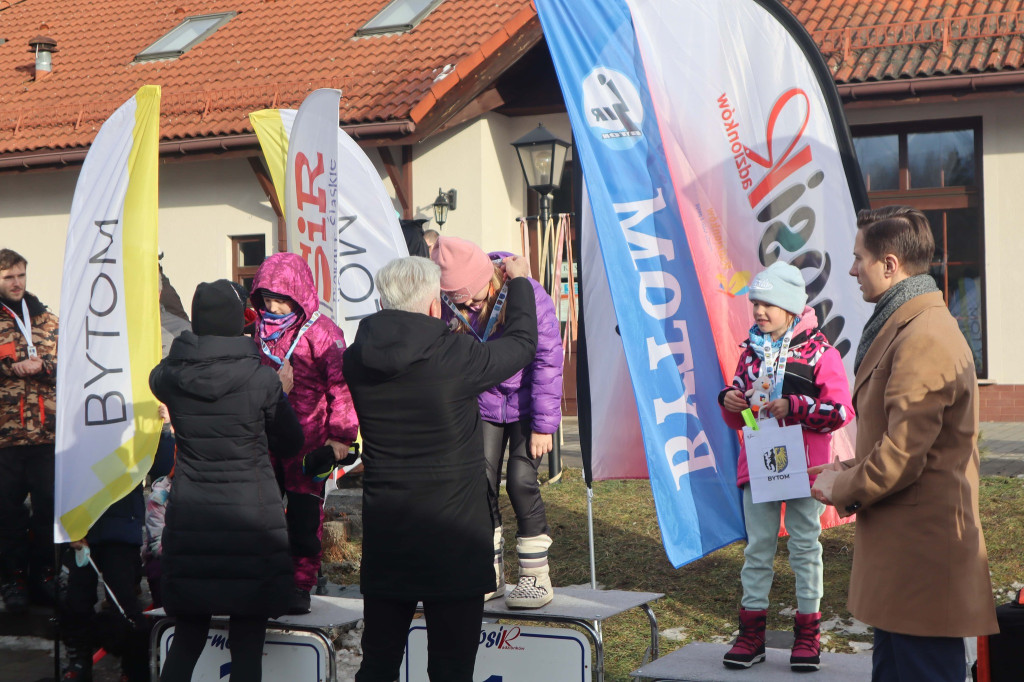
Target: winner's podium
[[586, 608], [297, 648]]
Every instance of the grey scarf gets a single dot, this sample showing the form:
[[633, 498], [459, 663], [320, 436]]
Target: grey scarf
[[890, 302]]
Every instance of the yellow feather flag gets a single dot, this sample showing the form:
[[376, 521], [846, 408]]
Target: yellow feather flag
[[107, 422]]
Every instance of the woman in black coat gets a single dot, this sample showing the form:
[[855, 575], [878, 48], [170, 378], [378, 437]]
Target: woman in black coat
[[225, 542]]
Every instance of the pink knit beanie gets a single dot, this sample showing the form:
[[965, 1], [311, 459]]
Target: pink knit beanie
[[465, 268]]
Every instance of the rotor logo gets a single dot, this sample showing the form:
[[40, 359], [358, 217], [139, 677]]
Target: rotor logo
[[613, 107]]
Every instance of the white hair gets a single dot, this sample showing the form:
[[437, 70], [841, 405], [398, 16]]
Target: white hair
[[409, 284]]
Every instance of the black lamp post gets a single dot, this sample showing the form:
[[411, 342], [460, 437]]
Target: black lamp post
[[444, 202], [542, 158]]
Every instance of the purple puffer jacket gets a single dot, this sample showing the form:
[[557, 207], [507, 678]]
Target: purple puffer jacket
[[536, 391], [320, 396]]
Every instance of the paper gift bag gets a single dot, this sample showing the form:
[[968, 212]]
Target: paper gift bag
[[777, 462]]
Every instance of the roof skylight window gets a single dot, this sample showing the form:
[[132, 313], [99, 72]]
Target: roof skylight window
[[184, 36], [399, 16]]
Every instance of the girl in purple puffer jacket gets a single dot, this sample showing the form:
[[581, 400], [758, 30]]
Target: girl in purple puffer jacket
[[305, 348], [521, 413]]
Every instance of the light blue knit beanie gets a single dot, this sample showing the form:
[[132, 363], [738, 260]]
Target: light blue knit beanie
[[780, 284]]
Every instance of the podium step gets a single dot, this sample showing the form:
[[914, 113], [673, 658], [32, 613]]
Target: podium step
[[702, 662]]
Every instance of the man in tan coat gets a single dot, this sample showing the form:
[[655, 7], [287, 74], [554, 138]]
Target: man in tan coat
[[920, 569]]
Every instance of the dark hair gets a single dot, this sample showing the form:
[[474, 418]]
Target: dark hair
[[901, 231], [8, 259]]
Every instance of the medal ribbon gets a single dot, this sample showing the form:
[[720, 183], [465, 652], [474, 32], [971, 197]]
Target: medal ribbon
[[291, 349], [25, 326], [491, 320], [777, 366]]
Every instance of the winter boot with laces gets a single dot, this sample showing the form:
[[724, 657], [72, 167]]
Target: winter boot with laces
[[499, 566], [534, 587], [749, 646], [806, 655]]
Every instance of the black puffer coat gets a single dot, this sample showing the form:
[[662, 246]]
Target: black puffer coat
[[225, 543], [427, 529]]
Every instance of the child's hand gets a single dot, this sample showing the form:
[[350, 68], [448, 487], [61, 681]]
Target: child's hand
[[779, 408], [286, 376], [734, 401]]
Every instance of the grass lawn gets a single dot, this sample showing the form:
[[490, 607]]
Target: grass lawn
[[702, 598]]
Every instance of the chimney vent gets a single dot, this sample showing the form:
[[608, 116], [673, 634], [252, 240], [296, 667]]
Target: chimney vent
[[44, 47]]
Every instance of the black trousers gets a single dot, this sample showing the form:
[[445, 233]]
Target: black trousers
[[453, 635], [245, 640], [84, 628], [26, 539], [908, 658], [520, 478]]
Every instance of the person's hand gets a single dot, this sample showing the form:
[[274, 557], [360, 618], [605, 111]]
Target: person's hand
[[79, 544], [28, 367], [516, 266], [286, 376], [540, 444], [164, 413], [823, 484], [779, 408], [834, 465], [734, 401], [340, 449]]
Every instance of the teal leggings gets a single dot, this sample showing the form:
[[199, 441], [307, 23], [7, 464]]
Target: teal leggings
[[803, 522]]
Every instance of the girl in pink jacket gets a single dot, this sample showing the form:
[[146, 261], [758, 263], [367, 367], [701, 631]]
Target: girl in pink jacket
[[306, 348], [807, 386]]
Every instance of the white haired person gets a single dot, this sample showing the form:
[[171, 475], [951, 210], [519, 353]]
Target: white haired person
[[426, 517]]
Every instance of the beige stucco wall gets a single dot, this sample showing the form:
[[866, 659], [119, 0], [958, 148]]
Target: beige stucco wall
[[202, 205], [478, 160], [1003, 211]]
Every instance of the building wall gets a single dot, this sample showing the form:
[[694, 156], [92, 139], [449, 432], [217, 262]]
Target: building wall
[[478, 160], [1003, 205], [202, 205]]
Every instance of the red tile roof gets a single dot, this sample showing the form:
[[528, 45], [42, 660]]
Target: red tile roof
[[891, 39], [272, 53]]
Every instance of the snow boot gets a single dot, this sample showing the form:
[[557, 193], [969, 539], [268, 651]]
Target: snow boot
[[300, 602], [499, 566], [79, 667], [749, 646], [806, 654], [534, 587]]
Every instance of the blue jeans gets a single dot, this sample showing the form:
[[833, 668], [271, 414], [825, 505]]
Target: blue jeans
[[803, 521], [908, 658]]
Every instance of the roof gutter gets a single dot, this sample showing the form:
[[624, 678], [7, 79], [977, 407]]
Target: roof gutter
[[45, 158], [913, 87]]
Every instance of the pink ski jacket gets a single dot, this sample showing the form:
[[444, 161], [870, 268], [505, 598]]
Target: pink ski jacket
[[815, 383], [320, 396]]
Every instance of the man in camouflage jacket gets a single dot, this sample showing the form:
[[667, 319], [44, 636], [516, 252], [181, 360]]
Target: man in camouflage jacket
[[28, 374]]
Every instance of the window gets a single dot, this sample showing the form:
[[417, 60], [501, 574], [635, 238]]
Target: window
[[935, 166], [247, 254], [398, 17], [184, 36]]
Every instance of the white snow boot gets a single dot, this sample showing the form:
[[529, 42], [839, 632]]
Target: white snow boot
[[534, 587], [499, 566]]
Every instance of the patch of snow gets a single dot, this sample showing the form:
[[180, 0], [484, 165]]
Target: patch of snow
[[26, 644], [675, 634]]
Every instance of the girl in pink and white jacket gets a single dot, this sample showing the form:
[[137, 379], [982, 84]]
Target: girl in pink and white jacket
[[306, 348], [809, 388]]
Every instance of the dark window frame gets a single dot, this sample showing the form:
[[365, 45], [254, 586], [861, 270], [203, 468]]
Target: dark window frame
[[240, 272], [367, 30], [223, 18], [939, 199]]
